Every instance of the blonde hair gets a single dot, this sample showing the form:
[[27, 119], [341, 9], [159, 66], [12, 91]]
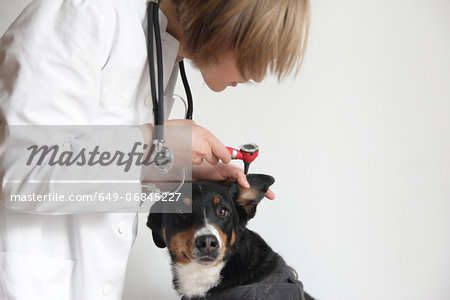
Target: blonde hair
[[263, 34]]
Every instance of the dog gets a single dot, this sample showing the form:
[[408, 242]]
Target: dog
[[214, 255]]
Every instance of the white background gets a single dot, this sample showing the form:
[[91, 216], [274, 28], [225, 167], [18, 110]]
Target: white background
[[359, 144]]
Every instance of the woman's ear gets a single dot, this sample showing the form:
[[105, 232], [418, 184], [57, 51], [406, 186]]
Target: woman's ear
[[154, 222], [246, 200]]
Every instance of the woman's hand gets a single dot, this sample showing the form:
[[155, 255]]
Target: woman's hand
[[205, 146], [223, 172]]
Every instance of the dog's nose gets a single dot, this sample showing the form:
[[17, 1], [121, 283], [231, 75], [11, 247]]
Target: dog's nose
[[207, 243]]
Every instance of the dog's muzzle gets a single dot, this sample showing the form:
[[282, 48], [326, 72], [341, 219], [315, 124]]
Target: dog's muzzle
[[207, 248]]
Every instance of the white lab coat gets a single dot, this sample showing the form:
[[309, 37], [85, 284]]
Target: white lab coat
[[70, 62]]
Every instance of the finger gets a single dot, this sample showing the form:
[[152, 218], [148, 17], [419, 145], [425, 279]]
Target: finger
[[270, 195], [239, 176], [200, 152], [219, 150], [242, 181], [197, 160], [204, 153], [234, 173], [212, 159], [214, 144]]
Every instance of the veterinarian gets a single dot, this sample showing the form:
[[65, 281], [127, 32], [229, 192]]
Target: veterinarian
[[75, 62]]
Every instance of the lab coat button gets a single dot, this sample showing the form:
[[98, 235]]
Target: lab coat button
[[107, 289], [122, 227]]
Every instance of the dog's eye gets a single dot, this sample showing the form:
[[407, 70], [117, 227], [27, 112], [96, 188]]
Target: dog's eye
[[223, 212]]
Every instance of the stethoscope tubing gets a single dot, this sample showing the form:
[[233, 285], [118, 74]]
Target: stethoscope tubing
[[157, 93], [187, 89]]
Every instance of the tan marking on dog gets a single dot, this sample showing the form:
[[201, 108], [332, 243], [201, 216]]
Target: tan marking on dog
[[233, 238], [246, 200], [216, 200], [182, 244], [224, 239], [187, 201], [246, 195], [164, 233]]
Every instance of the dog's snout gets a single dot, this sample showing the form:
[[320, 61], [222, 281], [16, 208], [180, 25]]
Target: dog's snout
[[207, 243]]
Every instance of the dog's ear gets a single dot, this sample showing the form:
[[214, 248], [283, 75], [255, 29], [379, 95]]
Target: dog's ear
[[154, 222], [246, 200]]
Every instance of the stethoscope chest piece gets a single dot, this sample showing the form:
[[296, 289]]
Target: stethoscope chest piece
[[163, 158]]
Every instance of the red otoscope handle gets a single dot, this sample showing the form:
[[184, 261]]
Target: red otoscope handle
[[246, 156], [235, 153], [248, 153]]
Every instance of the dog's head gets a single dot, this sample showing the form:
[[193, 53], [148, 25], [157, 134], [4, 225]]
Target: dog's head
[[207, 235]]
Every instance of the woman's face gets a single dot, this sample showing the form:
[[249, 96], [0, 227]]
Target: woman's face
[[223, 74]]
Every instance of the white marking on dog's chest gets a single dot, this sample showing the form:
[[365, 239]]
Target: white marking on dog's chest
[[195, 279]]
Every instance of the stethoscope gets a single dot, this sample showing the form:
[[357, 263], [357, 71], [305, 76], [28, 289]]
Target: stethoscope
[[162, 156]]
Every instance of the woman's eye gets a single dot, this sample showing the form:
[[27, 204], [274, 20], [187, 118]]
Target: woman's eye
[[223, 212]]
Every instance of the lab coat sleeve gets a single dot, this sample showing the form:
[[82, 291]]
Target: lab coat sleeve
[[50, 69]]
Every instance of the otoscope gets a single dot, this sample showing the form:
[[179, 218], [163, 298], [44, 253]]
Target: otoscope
[[247, 153]]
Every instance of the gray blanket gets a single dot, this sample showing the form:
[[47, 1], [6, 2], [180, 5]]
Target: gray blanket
[[281, 284]]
